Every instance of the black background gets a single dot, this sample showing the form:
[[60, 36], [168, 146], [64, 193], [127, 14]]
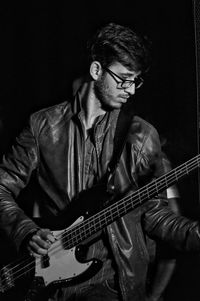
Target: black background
[[43, 47]]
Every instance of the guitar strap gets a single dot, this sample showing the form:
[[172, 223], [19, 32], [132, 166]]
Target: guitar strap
[[121, 133]]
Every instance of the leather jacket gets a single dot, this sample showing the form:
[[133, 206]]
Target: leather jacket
[[51, 147]]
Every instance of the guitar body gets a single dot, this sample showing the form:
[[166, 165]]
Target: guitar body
[[63, 266]]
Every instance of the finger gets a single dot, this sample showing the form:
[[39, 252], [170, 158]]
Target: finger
[[36, 249], [47, 235], [33, 254], [51, 237], [40, 242]]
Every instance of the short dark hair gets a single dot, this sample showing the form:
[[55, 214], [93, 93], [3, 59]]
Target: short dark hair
[[115, 42]]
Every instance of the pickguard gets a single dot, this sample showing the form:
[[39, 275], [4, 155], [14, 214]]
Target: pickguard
[[61, 264]]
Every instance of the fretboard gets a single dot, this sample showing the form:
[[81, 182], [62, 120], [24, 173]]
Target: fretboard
[[100, 220]]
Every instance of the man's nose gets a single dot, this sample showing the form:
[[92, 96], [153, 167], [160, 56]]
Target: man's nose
[[130, 90]]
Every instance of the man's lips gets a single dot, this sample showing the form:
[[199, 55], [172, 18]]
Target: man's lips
[[124, 97]]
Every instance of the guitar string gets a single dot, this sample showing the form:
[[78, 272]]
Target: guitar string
[[66, 233]]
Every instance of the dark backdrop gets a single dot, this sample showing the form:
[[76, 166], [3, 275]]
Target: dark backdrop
[[43, 51]]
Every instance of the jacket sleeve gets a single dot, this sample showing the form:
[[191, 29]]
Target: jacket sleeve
[[160, 222], [15, 172], [178, 231]]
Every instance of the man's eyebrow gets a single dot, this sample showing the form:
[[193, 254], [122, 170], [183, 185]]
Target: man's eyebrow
[[128, 74]]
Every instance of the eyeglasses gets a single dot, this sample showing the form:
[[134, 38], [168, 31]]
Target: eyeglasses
[[125, 83]]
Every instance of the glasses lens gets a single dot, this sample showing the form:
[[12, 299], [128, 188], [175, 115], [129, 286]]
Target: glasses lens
[[126, 84], [138, 81]]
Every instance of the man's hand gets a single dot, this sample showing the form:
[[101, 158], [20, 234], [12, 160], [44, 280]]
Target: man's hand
[[40, 242]]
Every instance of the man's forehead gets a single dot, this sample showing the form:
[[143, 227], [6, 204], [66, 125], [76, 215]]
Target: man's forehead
[[121, 69]]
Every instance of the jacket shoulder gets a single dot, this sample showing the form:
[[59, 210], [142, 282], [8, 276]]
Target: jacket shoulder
[[144, 138], [51, 116], [141, 126]]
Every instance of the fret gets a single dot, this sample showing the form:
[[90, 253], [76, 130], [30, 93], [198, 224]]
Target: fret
[[117, 210], [147, 192], [187, 171], [139, 197]]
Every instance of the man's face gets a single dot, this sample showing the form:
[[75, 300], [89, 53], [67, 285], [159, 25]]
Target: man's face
[[110, 89]]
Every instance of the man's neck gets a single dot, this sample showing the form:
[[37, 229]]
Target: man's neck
[[91, 105]]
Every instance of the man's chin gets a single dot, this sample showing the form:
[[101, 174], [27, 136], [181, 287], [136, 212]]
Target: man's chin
[[111, 107], [118, 105]]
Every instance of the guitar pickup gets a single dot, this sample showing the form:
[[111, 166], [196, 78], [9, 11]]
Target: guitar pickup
[[45, 261]]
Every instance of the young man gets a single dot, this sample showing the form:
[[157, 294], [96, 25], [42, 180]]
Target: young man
[[66, 149]]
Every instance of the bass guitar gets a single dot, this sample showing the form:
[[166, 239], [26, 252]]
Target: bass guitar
[[62, 265]]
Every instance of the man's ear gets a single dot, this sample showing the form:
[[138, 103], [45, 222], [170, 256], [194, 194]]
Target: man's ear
[[95, 70]]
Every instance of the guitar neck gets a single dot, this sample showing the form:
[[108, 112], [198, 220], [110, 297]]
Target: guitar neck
[[100, 220]]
